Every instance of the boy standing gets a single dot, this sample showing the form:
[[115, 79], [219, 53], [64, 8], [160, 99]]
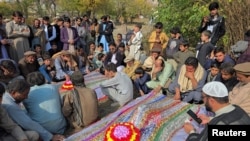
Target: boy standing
[[181, 56], [135, 42], [204, 49]]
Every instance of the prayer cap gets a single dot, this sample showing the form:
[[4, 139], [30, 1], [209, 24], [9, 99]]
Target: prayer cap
[[215, 89]]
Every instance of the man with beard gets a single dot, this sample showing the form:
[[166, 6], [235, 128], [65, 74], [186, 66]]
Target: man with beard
[[116, 57], [240, 94], [215, 97], [39, 34], [16, 93], [28, 63]]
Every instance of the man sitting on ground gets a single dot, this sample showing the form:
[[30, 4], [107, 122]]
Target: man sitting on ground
[[131, 66], [65, 65], [28, 64], [219, 56], [44, 104], [189, 81], [161, 75], [240, 94], [118, 87], [80, 105], [149, 62], [17, 91], [10, 131]]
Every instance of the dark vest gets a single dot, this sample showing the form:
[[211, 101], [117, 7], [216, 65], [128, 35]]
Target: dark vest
[[50, 30]]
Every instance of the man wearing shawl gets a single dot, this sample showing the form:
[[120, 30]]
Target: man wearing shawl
[[189, 82]]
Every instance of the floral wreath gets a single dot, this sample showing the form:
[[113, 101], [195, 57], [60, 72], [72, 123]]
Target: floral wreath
[[122, 132], [67, 85]]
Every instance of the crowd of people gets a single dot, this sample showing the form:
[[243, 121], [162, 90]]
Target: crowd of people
[[36, 58]]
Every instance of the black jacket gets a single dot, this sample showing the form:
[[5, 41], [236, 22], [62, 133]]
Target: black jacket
[[236, 117], [218, 31], [107, 32], [119, 58]]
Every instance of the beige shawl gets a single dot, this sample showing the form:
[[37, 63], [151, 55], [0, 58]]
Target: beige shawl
[[184, 82]]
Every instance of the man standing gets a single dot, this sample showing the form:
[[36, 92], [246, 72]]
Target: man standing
[[214, 23], [105, 33], [39, 35], [82, 33], [118, 87], [215, 97], [19, 33], [3, 40], [50, 32]]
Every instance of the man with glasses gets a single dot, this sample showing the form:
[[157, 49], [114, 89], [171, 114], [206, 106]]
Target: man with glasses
[[215, 97], [116, 57]]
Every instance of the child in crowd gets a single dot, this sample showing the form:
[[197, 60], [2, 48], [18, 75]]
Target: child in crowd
[[39, 53], [54, 49], [204, 49], [38, 50], [181, 56], [121, 48], [98, 50], [47, 69], [82, 59], [135, 42], [228, 77], [140, 82], [100, 63], [92, 64], [213, 72], [92, 48], [118, 39], [174, 42]]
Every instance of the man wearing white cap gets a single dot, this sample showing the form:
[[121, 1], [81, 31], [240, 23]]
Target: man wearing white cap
[[215, 97]]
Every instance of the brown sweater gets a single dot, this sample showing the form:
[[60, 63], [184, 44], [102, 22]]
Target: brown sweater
[[80, 107]]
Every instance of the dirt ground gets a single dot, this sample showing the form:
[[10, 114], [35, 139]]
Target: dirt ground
[[106, 108]]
